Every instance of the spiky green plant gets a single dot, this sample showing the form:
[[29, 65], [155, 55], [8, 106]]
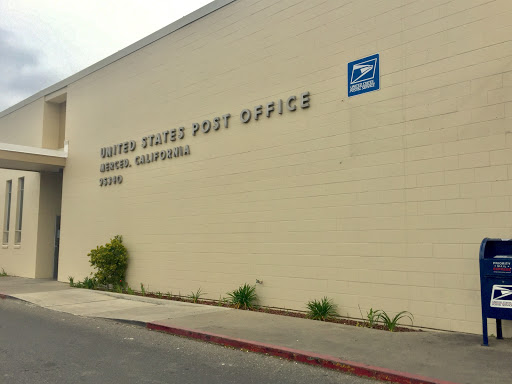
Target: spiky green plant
[[197, 295], [373, 317], [391, 323], [71, 281], [244, 297], [323, 309]]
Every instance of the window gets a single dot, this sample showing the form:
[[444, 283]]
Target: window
[[19, 210], [7, 211]]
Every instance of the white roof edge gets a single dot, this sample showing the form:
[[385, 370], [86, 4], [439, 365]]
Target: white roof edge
[[185, 20], [63, 153]]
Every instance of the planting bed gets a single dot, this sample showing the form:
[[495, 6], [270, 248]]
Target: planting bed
[[272, 310]]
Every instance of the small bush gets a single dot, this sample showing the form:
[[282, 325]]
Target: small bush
[[391, 323], [3, 273], [244, 297], [322, 309], [90, 283], [111, 261]]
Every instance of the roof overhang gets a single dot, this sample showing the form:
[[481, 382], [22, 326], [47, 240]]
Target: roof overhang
[[35, 159]]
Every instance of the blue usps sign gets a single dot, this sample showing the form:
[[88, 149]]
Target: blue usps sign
[[363, 75]]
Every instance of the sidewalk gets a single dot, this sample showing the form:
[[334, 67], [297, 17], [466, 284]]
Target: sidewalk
[[411, 357]]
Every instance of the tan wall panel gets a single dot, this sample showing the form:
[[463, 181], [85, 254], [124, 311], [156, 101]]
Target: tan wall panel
[[62, 125], [24, 126], [51, 125], [20, 260]]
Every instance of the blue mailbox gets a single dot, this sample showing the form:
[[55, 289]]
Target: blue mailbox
[[495, 283]]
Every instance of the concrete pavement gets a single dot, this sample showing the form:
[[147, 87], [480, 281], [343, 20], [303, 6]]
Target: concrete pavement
[[416, 357], [84, 302]]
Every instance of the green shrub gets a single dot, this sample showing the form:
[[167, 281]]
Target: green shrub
[[3, 273], [110, 261], [90, 283], [391, 323], [244, 297], [322, 309]]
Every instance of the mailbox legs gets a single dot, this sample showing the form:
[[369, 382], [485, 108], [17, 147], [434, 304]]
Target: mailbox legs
[[499, 331], [484, 333]]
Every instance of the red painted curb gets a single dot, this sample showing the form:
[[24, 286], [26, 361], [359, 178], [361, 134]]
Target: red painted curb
[[325, 361]]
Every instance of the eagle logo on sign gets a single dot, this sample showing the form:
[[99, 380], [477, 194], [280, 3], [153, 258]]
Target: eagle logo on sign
[[363, 71]]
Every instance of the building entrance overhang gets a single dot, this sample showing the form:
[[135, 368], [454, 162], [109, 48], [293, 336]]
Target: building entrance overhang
[[32, 158]]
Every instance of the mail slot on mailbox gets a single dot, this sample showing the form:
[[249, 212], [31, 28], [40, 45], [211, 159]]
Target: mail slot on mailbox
[[495, 283]]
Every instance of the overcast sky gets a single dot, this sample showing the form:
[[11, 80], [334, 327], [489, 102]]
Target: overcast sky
[[45, 41]]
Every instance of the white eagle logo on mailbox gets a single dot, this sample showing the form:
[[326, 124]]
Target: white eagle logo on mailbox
[[501, 296]]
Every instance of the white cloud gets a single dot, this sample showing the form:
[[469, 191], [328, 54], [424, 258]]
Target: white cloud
[[45, 41]]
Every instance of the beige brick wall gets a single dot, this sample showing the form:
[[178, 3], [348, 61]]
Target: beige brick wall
[[380, 200]]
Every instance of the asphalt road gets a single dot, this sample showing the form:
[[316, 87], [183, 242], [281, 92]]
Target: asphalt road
[[43, 346]]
